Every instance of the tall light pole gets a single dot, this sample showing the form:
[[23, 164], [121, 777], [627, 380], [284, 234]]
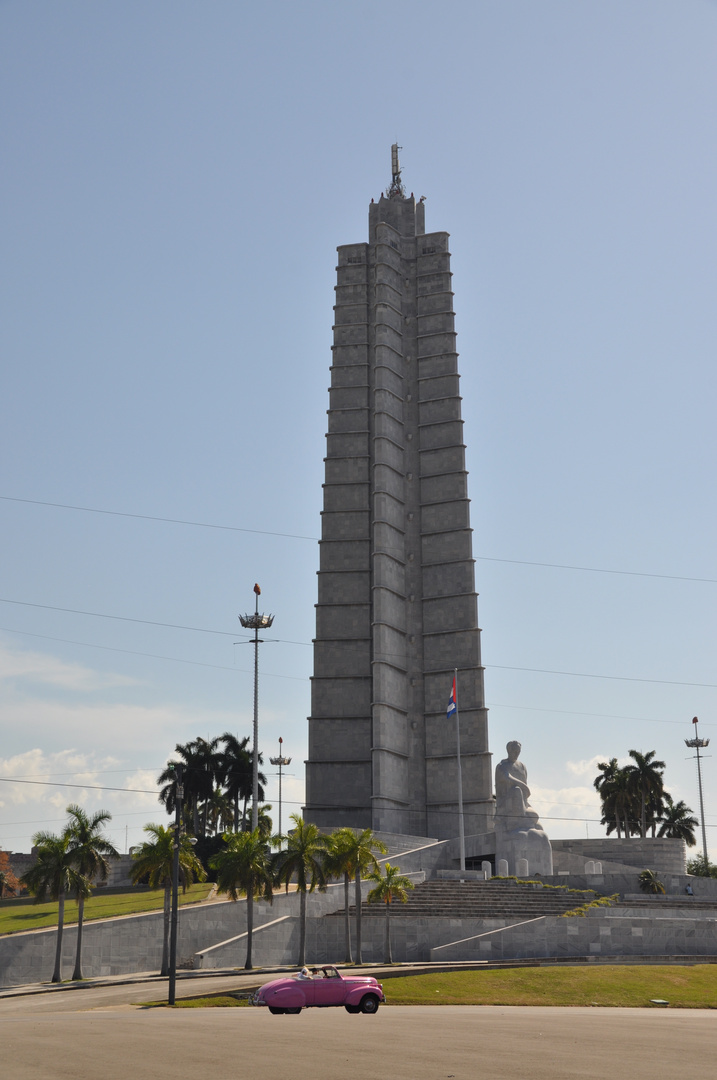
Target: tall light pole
[[280, 761], [256, 622], [178, 797], [698, 744]]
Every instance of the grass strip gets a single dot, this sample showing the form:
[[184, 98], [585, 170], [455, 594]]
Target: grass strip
[[617, 986], [22, 914]]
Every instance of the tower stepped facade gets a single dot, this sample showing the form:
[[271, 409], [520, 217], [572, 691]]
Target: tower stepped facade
[[397, 607]]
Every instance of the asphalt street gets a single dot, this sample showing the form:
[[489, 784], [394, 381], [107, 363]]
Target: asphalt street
[[109, 1032]]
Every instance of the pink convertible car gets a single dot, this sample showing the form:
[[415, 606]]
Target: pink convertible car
[[321, 987]]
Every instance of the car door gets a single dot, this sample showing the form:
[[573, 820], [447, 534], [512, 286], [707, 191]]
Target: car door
[[329, 989]]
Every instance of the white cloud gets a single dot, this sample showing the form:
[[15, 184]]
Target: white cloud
[[586, 765], [38, 777], [34, 667]]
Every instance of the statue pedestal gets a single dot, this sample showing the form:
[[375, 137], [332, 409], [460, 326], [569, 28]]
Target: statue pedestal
[[530, 844], [519, 837]]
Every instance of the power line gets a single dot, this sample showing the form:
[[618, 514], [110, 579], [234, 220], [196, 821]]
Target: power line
[[598, 570], [589, 675], [315, 539], [575, 712], [153, 517], [226, 633], [288, 802], [152, 656], [118, 618], [292, 802], [82, 787]]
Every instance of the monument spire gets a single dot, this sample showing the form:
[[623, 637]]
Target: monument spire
[[397, 606], [396, 190]]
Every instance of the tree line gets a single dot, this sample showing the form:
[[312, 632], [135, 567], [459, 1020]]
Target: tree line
[[217, 781], [634, 800], [248, 863], [69, 865]]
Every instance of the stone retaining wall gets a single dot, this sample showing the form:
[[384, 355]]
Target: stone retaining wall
[[659, 854]]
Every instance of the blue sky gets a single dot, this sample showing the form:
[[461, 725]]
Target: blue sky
[[176, 178]]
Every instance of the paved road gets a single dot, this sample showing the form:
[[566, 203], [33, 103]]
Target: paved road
[[85, 1034]]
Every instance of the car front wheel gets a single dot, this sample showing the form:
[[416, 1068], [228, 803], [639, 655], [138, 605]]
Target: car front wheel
[[352, 1008], [276, 1012], [369, 1004]]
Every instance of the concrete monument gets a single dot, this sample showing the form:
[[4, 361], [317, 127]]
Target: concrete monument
[[519, 837], [397, 607]]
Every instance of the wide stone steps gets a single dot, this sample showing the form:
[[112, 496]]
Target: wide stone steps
[[479, 900]]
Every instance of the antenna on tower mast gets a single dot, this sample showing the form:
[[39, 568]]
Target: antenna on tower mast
[[396, 189]]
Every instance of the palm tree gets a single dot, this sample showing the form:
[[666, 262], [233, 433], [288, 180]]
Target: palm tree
[[301, 860], [200, 765], [361, 861], [389, 887], [89, 851], [244, 868], [167, 780], [646, 781], [236, 769], [53, 875], [221, 812], [609, 784], [154, 860], [649, 882], [264, 823], [677, 822], [655, 809], [339, 863]]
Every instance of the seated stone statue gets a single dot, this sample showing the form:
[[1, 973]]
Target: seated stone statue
[[518, 832]]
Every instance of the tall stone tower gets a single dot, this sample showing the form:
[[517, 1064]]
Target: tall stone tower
[[397, 608]]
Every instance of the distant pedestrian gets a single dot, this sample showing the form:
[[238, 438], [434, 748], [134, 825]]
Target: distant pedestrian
[[688, 889]]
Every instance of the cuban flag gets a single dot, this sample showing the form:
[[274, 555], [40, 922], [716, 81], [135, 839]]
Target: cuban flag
[[452, 707]]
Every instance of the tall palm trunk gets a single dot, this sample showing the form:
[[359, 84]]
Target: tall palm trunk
[[167, 913], [77, 973], [302, 929], [57, 973], [249, 923], [359, 959], [347, 922]]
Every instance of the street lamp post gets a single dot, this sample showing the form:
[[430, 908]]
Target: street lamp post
[[698, 744], [280, 761], [256, 622], [178, 797]]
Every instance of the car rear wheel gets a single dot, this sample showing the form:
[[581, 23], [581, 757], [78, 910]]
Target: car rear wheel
[[369, 1004], [352, 1008]]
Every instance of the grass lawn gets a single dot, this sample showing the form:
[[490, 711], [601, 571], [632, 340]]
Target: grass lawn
[[626, 987], [23, 914], [621, 985]]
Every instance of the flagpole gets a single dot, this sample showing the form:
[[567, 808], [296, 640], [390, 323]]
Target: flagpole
[[461, 831]]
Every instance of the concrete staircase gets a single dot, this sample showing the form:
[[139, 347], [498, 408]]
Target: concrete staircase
[[478, 900]]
